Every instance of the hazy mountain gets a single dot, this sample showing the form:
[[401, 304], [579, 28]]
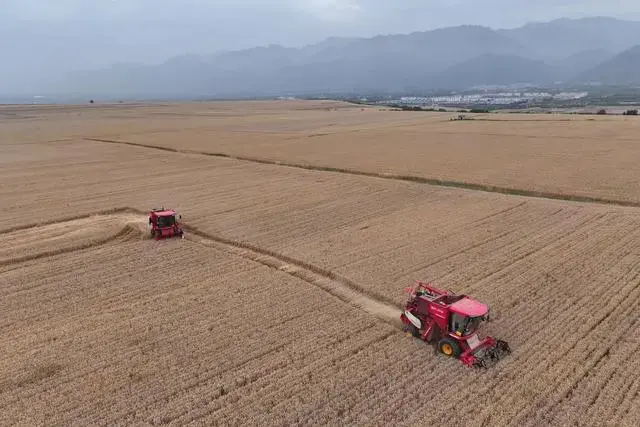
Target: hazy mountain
[[433, 50], [491, 69], [562, 38], [269, 56], [454, 57], [577, 63], [622, 69]]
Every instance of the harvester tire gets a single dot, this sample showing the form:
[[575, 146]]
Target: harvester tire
[[449, 347], [415, 332]]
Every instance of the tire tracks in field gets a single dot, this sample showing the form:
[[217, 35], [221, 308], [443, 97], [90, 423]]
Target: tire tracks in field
[[332, 283], [486, 188], [126, 232], [112, 211]]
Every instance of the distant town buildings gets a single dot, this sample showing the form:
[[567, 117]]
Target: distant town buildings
[[496, 98]]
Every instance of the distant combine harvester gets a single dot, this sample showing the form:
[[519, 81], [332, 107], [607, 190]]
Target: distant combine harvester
[[460, 117]]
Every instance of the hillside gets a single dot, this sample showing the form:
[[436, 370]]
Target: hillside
[[622, 69], [577, 63], [454, 57], [562, 38], [493, 69]]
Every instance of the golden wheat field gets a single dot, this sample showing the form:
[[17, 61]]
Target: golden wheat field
[[580, 155], [281, 305]]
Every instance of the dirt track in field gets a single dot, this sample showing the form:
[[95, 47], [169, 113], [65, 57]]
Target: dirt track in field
[[340, 287], [36, 242]]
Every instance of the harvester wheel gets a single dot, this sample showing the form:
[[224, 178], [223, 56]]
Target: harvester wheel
[[411, 329], [449, 347]]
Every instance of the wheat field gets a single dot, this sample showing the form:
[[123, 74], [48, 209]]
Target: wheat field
[[281, 306], [578, 155]]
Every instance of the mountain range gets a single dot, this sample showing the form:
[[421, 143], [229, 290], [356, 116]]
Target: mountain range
[[574, 51]]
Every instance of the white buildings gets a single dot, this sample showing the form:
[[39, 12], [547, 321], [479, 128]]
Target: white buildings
[[484, 98]]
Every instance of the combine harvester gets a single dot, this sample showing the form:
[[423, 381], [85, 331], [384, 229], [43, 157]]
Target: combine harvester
[[431, 314], [163, 223], [434, 315]]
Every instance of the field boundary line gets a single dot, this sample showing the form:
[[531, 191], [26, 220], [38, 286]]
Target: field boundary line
[[332, 283], [54, 252], [509, 191], [66, 219], [344, 289]]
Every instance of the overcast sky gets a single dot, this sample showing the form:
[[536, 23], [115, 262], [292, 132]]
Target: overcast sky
[[95, 33]]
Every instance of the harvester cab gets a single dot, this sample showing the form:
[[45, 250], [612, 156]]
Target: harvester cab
[[435, 315], [164, 223]]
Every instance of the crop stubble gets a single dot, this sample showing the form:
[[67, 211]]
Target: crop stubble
[[563, 280]]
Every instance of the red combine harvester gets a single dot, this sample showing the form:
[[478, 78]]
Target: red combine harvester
[[163, 223], [434, 315]]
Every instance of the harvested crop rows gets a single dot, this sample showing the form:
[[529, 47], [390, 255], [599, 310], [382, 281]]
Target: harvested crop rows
[[281, 305]]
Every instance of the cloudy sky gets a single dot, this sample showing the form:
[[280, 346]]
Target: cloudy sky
[[63, 34]]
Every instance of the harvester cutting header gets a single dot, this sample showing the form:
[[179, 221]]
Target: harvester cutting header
[[163, 223], [435, 315]]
